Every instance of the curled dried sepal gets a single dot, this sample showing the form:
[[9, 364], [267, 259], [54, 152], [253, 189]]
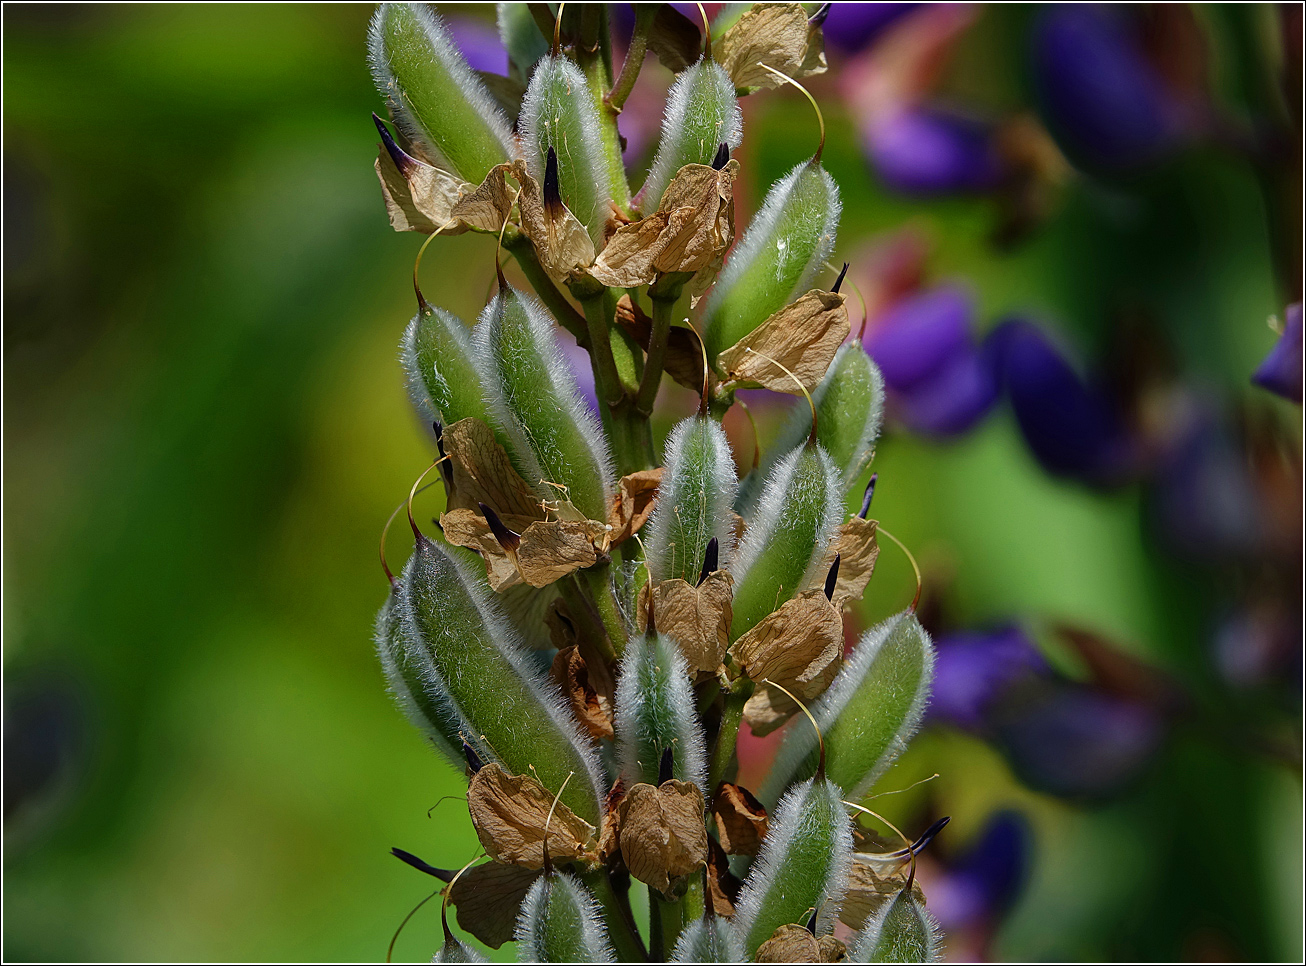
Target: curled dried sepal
[[698, 491], [435, 98], [741, 820], [779, 35], [560, 922], [510, 813], [704, 941], [589, 691], [697, 618], [702, 114], [483, 473], [662, 836], [803, 866], [901, 931], [634, 502], [791, 943], [418, 196], [690, 230], [868, 714], [488, 898], [562, 244], [855, 550], [804, 337], [543, 552], [655, 714]]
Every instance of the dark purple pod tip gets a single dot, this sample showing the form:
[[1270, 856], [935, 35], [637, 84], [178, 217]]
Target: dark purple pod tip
[[510, 540], [867, 496], [839, 281], [722, 156], [444, 875], [1281, 372], [832, 578], [404, 161], [665, 765], [552, 192], [473, 759], [711, 560]]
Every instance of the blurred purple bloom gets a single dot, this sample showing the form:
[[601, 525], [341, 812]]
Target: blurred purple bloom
[[974, 668], [926, 150], [851, 26], [980, 884], [1072, 428], [1281, 371], [480, 44], [940, 382], [1103, 101], [578, 360]]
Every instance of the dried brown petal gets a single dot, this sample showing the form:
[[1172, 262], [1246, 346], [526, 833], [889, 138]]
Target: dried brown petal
[[741, 822], [610, 830], [722, 885], [552, 549], [592, 710], [562, 244], [803, 337], [483, 473], [424, 200], [791, 943], [674, 38], [696, 618], [832, 950], [868, 890], [854, 544], [775, 34], [633, 502], [488, 207], [467, 528], [691, 229], [684, 357], [488, 897], [662, 836], [509, 812]]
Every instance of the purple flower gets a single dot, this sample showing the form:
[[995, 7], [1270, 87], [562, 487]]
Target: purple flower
[[1071, 427], [1104, 102], [480, 44], [940, 382], [1281, 371], [974, 668], [980, 884], [929, 150], [851, 26]]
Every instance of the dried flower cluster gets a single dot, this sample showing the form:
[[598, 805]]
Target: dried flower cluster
[[595, 622]]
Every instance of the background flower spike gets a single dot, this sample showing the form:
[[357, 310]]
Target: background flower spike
[[437, 101], [560, 923]]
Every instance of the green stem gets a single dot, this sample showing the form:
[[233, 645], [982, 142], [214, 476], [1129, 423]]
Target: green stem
[[607, 380], [584, 612], [723, 754], [594, 55], [597, 581], [635, 53], [548, 293], [663, 310], [694, 902], [666, 919], [621, 923]]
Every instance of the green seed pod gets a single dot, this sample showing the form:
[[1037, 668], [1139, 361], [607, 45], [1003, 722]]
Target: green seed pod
[[520, 37], [869, 712], [456, 951], [534, 402], [558, 112], [437, 356], [402, 660], [901, 931], [787, 243], [694, 502], [655, 714], [800, 508], [704, 941], [849, 410], [478, 683], [560, 923], [435, 98], [702, 113], [803, 866]]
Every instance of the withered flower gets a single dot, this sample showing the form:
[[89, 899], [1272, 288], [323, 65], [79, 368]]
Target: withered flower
[[510, 812], [741, 821], [778, 35], [697, 618], [803, 337], [662, 835]]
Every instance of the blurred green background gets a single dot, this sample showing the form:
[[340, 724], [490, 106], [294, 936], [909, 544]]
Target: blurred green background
[[205, 428]]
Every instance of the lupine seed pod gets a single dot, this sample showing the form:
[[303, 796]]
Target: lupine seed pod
[[403, 660], [800, 507], [456, 951], [901, 931], [558, 112], [850, 411], [702, 114], [869, 712], [533, 400], [704, 941], [560, 923], [479, 685], [695, 502], [520, 37], [437, 356], [655, 714], [803, 866], [435, 98], [788, 241]]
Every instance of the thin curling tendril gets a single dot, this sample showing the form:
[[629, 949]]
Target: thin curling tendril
[[820, 739], [417, 263], [413, 492], [903, 547], [820, 118], [386, 529], [811, 439]]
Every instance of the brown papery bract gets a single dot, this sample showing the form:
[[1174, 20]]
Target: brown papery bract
[[510, 813], [803, 337]]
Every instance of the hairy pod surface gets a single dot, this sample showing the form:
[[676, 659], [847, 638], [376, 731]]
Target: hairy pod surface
[[520, 37], [868, 714], [799, 510], [901, 931], [702, 113], [786, 244], [803, 866], [442, 379], [560, 923], [435, 98], [456, 951], [479, 683], [704, 941], [558, 112], [695, 501], [403, 659], [655, 712], [849, 414], [533, 400]]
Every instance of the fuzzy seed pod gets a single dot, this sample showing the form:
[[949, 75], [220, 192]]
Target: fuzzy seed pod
[[520, 37], [456, 951], [558, 112], [787, 243], [702, 114], [655, 713], [694, 502], [560, 923], [868, 714], [437, 356], [849, 410], [799, 510], [704, 941], [803, 866], [535, 404], [435, 98], [477, 683], [901, 931]]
